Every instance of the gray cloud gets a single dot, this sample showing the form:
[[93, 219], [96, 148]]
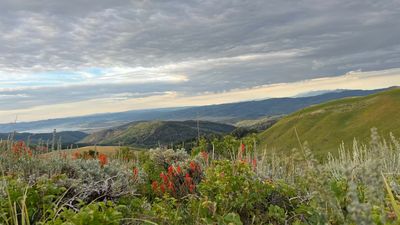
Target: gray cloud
[[216, 45], [30, 97]]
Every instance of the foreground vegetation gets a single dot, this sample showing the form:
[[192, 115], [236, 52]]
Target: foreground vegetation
[[224, 181]]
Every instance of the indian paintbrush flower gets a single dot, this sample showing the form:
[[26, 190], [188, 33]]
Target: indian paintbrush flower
[[103, 159]]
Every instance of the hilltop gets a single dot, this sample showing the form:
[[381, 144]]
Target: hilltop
[[154, 133], [326, 125]]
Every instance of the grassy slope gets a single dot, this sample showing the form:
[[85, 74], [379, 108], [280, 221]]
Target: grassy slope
[[260, 124], [325, 126]]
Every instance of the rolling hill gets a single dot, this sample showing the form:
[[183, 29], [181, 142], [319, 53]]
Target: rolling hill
[[107, 150], [225, 113], [154, 133], [325, 126], [67, 137]]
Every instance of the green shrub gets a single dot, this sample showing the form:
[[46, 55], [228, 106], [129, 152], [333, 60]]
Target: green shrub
[[20, 201], [234, 188], [106, 213]]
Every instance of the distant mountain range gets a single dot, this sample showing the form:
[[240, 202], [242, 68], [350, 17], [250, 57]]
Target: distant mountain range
[[154, 133], [224, 113]]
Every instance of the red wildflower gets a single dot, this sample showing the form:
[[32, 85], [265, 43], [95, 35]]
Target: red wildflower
[[20, 149], [103, 159], [135, 172], [254, 163], [162, 188], [170, 170], [76, 155], [191, 188], [154, 185], [204, 154], [243, 147], [188, 179], [171, 186], [164, 177], [193, 166], [178, 170]]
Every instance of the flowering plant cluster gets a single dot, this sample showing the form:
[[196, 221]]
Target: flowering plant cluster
[[103, 158], [19, 149], [177, 181]]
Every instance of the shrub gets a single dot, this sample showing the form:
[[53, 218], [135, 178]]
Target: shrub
[[92, 214], [179, 181], [165, 158], [90, 180], [23, 202], [234, 188]]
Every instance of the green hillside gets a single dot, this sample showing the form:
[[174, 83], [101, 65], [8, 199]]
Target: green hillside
[[259, 124], [66, 137], [325, 126], [153, 133]]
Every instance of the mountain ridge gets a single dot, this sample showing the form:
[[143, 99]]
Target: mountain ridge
[[225, 113]]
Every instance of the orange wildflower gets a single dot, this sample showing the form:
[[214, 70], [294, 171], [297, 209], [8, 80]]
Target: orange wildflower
[[188, 179], [76, 155], [171, 186], [193, 166], [103, 159], [162, 188], [254, 163], [135, 172], [243, 148], [178, 169], [164, 177], [154, 185], [191, 188], [204, 154], [170, 170]]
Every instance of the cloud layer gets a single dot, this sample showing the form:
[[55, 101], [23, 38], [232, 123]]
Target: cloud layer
[[64, 52]]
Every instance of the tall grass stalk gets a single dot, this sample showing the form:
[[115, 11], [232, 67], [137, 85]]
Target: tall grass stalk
[[396, 207]]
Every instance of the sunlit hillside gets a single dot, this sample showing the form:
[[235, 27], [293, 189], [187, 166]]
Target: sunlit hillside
[[326, 126]]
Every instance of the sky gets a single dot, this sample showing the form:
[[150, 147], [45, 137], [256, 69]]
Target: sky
[[77, 57]]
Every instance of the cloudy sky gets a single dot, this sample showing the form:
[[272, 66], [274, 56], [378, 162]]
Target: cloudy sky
[[64, 58]]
